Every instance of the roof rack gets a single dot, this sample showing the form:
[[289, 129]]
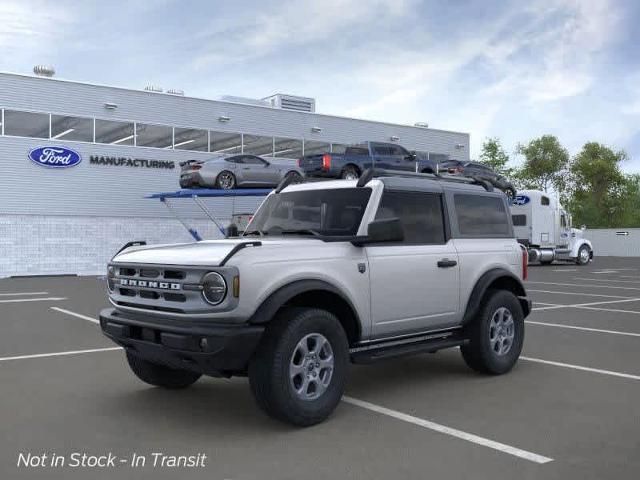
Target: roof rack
[[371, 173]]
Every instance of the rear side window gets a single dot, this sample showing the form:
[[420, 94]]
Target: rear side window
[[420, 214], [544, 201], [481, 216], [359, 150], [519, 220]]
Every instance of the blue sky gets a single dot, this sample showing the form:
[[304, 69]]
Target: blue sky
[[514, 70]]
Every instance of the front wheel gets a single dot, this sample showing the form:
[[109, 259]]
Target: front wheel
[[298, 373], [584, 255], [160, 375], [225, 180], [496, 335]]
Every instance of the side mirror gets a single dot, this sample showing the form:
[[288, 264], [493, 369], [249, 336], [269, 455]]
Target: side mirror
[[583, 227], [387, 230], [412, 155]]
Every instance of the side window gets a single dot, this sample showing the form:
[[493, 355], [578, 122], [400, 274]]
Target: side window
[[563, 221], [481, 216], [398, 151], [420, 214], [234, 159], [250, 160], [381, 150], [519, 220], [544, 201]]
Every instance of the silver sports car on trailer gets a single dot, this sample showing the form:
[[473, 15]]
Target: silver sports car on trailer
[[226, 172]]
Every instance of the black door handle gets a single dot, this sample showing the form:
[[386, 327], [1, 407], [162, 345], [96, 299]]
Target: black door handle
[[446, 263]]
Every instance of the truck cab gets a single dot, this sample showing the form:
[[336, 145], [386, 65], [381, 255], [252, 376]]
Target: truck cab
[[544, 227]]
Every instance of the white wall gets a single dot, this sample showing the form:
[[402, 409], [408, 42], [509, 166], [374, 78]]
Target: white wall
[[611, 242], [51, 245]]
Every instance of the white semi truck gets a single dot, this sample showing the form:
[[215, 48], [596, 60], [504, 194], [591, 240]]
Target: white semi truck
[[544, 228]]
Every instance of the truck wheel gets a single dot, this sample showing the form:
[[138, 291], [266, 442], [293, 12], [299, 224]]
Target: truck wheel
[[350, 173], [496, 335], [584, 255], [160, 375], [298, 372], [225, 180]]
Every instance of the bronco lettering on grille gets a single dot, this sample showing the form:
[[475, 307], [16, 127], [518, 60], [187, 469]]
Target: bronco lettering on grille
[[144, 283]]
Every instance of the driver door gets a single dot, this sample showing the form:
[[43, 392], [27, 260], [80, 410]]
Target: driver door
[[255, 170], [414, 283]]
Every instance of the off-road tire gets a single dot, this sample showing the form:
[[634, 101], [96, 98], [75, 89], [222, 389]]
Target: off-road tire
[[579, 258], [219, 180], [269, 376], [160, 375], [349, 171], [478, 353]]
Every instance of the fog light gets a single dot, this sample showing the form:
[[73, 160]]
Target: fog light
[[214, 288]]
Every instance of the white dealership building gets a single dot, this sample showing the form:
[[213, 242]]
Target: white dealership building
[[126, 144]]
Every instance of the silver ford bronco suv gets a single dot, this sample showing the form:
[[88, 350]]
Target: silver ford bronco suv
[[327, 273]]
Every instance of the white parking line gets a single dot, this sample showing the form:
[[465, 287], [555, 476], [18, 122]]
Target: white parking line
[[22, 293], [588, 306], [74, 314], [583, 285], [609, 280], [580, 367], [59, 354], [469, 437], [614, 310], [19, 300], [564, 270], [576, 293], [584, 329]]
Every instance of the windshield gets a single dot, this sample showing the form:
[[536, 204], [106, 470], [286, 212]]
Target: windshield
[[333, 212]]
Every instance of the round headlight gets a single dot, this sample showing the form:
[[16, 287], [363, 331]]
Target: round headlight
[[214, 288]]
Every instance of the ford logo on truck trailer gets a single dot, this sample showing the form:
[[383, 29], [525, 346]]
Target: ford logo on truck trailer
[[55, 157], [521, 200]]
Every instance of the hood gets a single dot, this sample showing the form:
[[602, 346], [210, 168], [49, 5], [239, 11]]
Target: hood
[[207, 253]]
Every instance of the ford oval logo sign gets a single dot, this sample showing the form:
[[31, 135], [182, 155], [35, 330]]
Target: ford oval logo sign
[[55, 157], [521, 200]]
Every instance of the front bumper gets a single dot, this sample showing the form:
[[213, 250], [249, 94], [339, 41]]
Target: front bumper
[[209, 349]]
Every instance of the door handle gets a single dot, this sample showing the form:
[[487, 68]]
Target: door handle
[[446, 263]]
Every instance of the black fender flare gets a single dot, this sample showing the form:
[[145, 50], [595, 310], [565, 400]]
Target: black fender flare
[[268, 308], [482, 285]]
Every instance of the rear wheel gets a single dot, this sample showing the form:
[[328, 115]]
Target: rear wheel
[[160, 375], [350, 173], [584, 255], [225, 180], [496, 335], [298, 373]]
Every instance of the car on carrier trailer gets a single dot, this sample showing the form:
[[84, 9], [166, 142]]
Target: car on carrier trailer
[[325, 274], [544, 228]]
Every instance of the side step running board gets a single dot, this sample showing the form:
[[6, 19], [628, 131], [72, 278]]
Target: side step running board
[[383, 352]]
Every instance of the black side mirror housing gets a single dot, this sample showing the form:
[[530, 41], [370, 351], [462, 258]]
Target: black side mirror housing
[[380, 231]]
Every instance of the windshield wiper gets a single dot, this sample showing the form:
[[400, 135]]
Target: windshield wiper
[[301, 231], [254, 232]]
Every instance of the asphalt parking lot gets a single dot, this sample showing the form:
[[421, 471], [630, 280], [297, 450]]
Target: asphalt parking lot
[[570, 409]]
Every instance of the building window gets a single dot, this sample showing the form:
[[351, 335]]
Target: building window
[[71, 128], [257, 145], [26, 124], [157, 136], [287, 148], [312, 147], [225, 143], [190, 139], [338, 148], [114, 133]]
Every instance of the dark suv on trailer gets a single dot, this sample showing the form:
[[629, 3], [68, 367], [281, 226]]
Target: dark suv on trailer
[[479, 171]]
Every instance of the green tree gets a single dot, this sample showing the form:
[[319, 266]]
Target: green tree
[[601, 194], [545, 164], [494, 156]]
